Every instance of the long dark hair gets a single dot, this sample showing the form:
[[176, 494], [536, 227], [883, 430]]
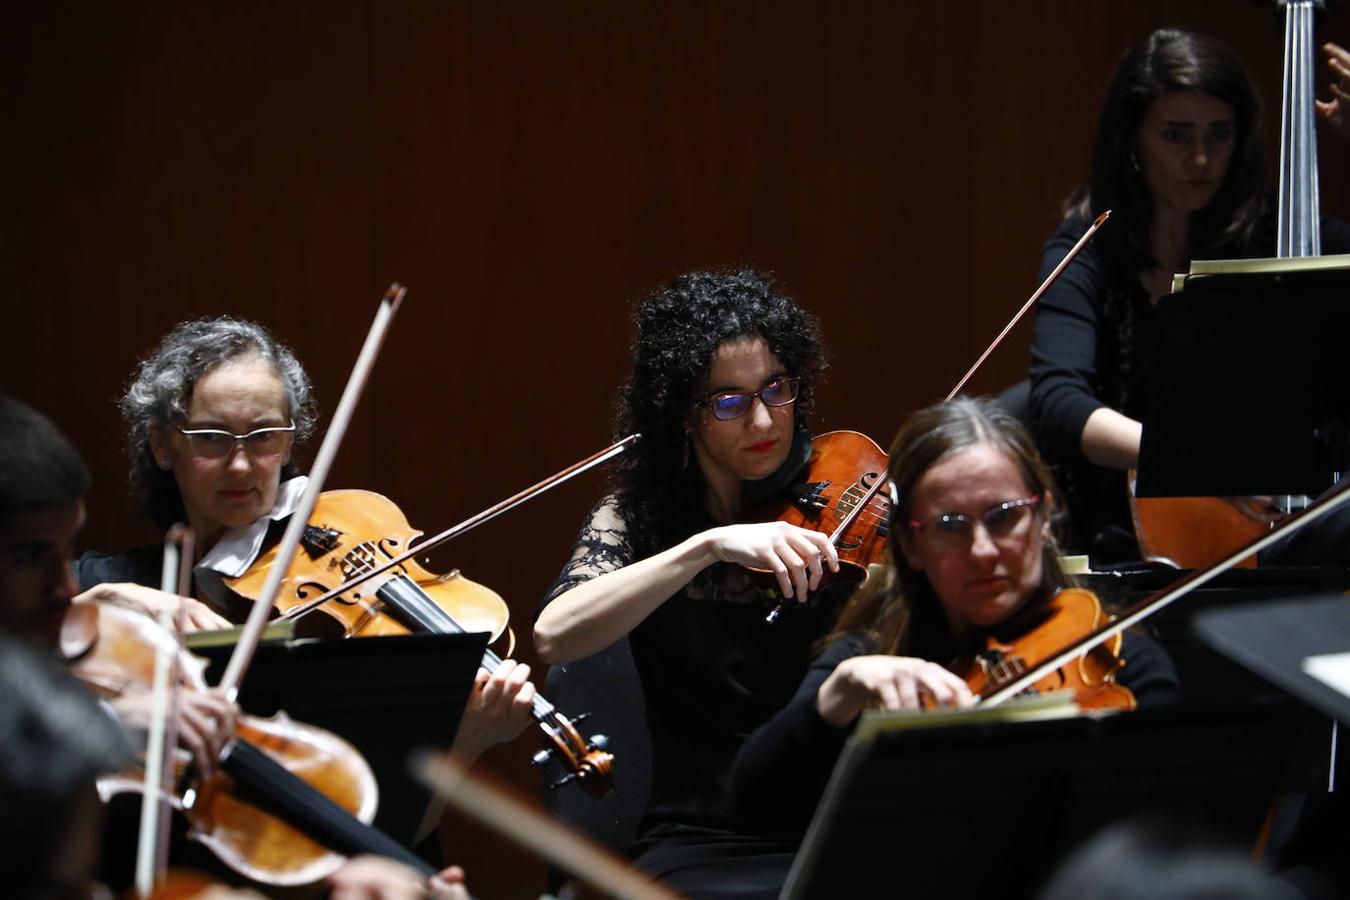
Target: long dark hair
[[897, 611], [677, 331], [1167, 60]]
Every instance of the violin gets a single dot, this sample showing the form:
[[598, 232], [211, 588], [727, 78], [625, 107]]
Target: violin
[[842, 492], [288, 803], [838, 496], [1067, 616], [350, 534]]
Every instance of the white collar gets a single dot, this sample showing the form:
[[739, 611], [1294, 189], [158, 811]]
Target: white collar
[[239, 547]]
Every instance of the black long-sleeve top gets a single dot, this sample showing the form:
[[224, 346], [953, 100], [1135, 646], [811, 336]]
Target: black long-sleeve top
[[1091, 348], [781, 770]]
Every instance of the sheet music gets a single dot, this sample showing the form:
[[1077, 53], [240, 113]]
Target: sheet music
[[1332, 669]]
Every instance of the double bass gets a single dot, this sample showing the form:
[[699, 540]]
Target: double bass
[[1193, 532]]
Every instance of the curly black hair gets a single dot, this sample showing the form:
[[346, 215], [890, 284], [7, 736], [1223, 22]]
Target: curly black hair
[[677, 332]]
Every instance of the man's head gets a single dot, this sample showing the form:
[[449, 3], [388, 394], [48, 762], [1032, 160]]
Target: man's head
[[42, 485]]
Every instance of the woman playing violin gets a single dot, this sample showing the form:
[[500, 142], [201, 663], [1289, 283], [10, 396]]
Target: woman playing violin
[[973, 554], [1179, 158], [213, 416], [723, 374]]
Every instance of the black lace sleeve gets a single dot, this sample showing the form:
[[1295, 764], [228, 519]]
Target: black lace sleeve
[[601, 547]]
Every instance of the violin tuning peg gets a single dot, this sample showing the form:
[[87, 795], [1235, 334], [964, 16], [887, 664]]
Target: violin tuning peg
[[570, 776], [542, 757], [598, 742]]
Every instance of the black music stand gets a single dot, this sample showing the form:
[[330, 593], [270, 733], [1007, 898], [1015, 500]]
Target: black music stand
[[1243, 398], [987, 810], [1274, 639], [386, 695]]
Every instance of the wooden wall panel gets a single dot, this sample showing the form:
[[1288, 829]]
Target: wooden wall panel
[[529, 172]]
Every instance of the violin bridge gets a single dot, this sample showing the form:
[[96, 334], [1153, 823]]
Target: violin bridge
[[999, 668]]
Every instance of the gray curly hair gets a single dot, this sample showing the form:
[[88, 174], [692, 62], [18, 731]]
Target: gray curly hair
[[161, 392]]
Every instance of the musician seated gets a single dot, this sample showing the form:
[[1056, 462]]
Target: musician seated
[[42, 485], [1179, 157], [213, 416], [973, 552], [43, 481]]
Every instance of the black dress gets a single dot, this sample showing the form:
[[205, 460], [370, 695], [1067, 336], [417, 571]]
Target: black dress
[[711, 671]]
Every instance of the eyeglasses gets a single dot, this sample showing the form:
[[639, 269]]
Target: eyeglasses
[[1002, 521], [260, 443], [734, 404]]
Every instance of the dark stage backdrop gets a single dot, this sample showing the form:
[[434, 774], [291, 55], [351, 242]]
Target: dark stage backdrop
[[529, 170]]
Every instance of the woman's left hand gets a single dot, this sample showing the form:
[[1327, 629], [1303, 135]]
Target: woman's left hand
[[197, 616], [498, 710], [1336, 111]]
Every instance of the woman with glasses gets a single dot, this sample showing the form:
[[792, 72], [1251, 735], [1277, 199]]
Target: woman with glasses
[[212, 417], [722, 383], [973, 552]]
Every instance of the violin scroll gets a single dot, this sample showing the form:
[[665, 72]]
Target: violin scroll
[[588, 761]]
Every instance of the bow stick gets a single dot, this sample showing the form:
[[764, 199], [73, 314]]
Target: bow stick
[[534, 831], [257, 617], [152, 845]]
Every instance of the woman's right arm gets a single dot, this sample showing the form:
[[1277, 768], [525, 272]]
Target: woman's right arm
[[1112, 439], [612, 599]]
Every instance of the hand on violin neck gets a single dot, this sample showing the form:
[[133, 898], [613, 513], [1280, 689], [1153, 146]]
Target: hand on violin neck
[[197, 616], [796, 556], [206, 722], [497, 712], [890, 682]]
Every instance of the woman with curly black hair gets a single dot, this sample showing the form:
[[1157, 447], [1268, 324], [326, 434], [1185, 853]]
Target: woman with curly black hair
[[723, 371], [1179, 158]]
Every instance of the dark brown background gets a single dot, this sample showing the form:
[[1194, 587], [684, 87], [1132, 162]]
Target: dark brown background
[[529, 170]]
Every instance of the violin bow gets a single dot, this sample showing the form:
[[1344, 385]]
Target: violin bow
[[469, 524], [1138, 612], [1026, 307], [536, 832], [295, 529], [152, 845], [1050, 279]]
